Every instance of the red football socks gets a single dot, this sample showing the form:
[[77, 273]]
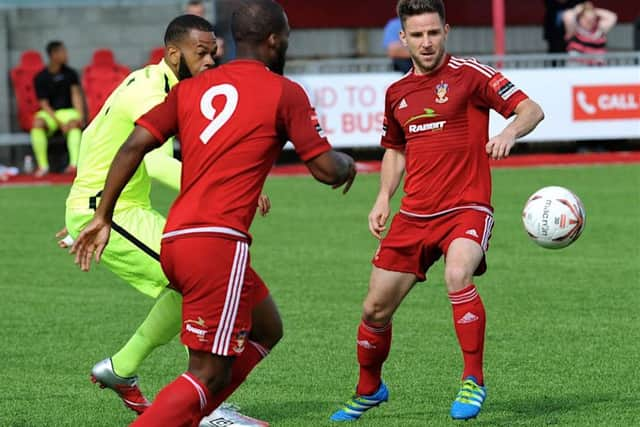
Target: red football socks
[[469, 321], [180, 404], [374, 342], [184, 402], [242, 366]]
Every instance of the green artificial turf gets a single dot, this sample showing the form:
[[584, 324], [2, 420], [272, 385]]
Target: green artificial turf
[[562, 334]]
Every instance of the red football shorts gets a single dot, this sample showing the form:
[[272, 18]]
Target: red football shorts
[[219, 290], [414, 244]]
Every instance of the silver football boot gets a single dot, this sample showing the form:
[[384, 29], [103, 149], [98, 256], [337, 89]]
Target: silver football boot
[[127, 389]]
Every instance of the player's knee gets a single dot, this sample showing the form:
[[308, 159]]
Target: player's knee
[[376, 312], [215, 378], [456, 278], [272, 337], [277, 335], [213, 371], [219, 381]]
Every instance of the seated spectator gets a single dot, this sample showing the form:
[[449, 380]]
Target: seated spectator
[[586, 30], [394, 48], [61, 108], [196, 7]]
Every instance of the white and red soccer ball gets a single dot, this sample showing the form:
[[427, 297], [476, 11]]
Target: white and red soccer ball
[[553, 217]]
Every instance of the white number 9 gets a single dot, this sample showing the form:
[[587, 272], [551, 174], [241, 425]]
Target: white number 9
[[206, 107]]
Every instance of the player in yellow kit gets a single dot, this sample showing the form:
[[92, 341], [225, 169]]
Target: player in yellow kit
[[133, 249]]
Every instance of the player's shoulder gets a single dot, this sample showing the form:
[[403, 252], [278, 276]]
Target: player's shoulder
[[399, 86], [288, 84], [146, 81], [470, 67]]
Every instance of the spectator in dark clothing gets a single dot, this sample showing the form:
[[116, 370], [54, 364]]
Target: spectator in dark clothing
[[554, 31], [61, 108]]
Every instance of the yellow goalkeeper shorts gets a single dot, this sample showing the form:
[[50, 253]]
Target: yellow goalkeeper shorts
[[134, 245]]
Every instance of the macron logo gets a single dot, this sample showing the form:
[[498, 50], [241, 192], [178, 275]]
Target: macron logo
[[403, 104], [366, 344], [467, 318]]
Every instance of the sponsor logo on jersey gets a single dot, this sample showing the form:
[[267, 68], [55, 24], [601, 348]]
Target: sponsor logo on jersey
[[195, 327], [403, 104], [428, 114], [425, 127], [442, 89]]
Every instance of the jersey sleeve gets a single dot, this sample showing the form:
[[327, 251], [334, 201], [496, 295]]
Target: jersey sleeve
[[162, 120], [298, 120], [392, 133], [499, 93]]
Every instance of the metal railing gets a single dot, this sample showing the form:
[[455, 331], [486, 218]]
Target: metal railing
[[542, 60]]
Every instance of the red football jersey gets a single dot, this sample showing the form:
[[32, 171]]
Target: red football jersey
[[441, 122], [232, 122]]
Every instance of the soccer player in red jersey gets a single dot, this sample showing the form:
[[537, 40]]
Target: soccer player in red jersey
[[436, 129], [232, 122]]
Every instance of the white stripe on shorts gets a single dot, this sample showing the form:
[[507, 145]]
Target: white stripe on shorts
[[232, 300], [488, 226]]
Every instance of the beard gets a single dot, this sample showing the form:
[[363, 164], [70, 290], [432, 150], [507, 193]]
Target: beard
[[277, 66], [429, 67], [183, 70]]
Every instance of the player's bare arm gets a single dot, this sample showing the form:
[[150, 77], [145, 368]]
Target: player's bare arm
[[606, 19], [333, 168], [391, 173], [77, 100], [94, 238], [528, 115]]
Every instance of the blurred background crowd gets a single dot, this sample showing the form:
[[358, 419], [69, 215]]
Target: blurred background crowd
[[68, 55]]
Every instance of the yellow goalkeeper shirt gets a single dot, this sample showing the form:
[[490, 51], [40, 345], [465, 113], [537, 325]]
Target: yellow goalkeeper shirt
[[140, 91]]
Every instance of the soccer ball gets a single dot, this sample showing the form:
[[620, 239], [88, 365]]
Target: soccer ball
[[553, 217]]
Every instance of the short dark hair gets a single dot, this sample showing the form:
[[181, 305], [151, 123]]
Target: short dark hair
[[194, 2], [254, 20], [407, 8], [182, 25], [53, 45]]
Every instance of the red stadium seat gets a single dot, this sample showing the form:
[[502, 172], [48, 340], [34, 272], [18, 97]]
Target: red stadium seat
[[100, 78], [22, 80], [156, 55]]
